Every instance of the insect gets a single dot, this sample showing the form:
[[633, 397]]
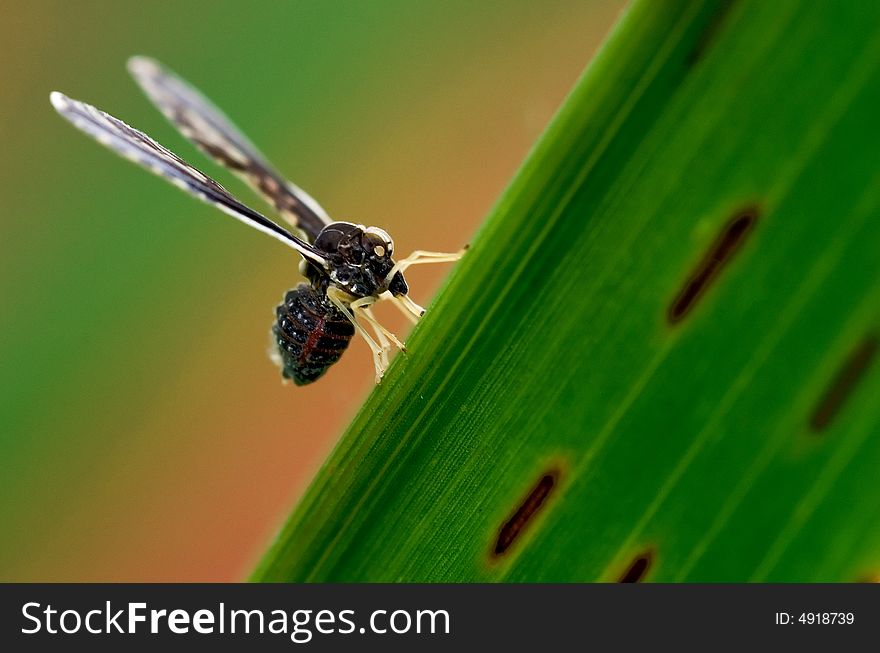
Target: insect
[[348, 266]]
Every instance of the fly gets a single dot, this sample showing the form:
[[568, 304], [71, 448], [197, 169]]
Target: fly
[[348, 266]]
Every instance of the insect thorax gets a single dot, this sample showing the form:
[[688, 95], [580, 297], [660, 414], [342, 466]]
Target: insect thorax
[[360, 260]]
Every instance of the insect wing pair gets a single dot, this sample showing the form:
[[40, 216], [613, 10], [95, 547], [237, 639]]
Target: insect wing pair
[[348, 266]]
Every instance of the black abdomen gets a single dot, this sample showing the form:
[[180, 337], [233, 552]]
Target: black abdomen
[[311, 334]]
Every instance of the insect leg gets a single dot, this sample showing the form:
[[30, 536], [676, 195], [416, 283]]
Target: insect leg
[[420, 257], [384, 334], [338, 299], [384, 342], [364, 304], [407, 306]]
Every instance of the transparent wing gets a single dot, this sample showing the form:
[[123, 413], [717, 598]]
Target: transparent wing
[[140, 148], [206, 126]]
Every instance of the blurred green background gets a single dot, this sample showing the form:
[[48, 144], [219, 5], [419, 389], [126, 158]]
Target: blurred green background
[[144, 434]]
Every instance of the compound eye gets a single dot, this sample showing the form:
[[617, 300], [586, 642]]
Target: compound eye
[[379, 242]]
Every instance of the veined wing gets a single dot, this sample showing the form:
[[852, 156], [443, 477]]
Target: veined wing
[[205, 125], [140, 148]]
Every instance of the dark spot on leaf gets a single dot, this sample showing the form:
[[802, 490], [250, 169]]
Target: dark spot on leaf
[[844, 382], [719, 254], [638, 568], [527, 509]]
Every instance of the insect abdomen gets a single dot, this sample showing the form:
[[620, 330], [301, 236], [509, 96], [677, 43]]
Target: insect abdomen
[[311, 334]]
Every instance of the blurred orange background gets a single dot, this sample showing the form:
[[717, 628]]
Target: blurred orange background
[[144, 434]]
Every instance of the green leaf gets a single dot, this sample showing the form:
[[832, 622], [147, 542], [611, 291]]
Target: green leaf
[[656, 360]]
